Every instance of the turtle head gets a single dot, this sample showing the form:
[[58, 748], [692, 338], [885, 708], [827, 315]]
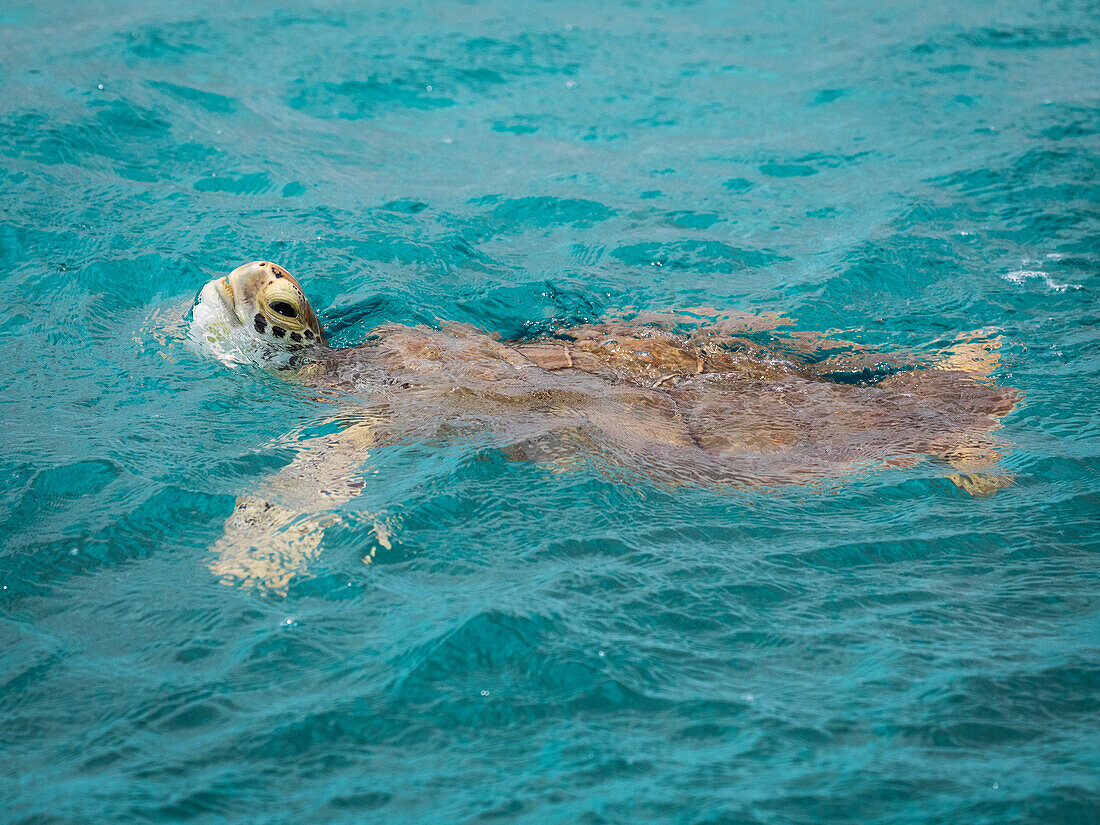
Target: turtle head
[[270, 300], [256, 313]]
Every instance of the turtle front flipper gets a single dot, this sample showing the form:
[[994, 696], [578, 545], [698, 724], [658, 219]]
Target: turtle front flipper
[[275, 532], [265, 544]]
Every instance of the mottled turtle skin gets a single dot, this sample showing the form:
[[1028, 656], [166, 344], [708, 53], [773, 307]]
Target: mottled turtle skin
[[718, 401]]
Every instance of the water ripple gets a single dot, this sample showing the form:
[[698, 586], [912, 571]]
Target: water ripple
[[482, 637]]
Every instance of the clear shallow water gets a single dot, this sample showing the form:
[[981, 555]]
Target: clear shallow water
[[537, 646]]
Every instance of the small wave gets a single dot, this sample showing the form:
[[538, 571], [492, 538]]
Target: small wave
[[1019, 276]]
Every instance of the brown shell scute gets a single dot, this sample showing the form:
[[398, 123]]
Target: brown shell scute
[[546, 354]]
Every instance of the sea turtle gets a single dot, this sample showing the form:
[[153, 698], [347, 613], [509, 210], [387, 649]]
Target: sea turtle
[[699, 398]]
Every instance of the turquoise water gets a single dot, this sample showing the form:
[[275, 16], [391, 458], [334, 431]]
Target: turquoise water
[[541, 647]]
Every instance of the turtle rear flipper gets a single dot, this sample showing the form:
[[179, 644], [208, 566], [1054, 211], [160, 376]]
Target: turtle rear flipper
[[561, 450], [981, 485], [976, 457], [974, 353]]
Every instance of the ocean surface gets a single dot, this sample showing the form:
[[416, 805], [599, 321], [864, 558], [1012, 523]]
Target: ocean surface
[[531, 646]]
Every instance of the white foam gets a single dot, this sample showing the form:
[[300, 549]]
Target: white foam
[[1020, 275]]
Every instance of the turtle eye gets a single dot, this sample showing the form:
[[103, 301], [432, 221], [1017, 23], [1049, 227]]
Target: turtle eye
[[284, 309]]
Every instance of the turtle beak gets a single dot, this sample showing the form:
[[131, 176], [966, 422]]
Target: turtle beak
[[218, 293], [224, 290]]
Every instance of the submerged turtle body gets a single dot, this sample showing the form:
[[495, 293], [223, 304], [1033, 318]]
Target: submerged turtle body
[[680, 400], [683, 407]]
